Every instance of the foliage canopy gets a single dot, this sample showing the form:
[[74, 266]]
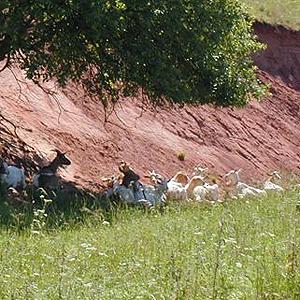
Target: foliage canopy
[[195, 51]]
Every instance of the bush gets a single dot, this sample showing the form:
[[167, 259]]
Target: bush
[[193, 51]]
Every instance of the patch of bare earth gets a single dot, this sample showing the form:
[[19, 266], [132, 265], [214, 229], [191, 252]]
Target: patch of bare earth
[[258, 138]]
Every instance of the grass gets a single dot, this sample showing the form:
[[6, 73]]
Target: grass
[[276, 11], [237, 250]]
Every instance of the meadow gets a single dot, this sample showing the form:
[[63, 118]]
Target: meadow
[[276, 11], [241, 249]]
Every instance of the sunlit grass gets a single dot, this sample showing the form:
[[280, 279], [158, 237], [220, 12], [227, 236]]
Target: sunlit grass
[[276, 11], [237, 250]]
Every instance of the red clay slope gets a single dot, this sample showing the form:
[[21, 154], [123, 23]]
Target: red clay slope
[[261, 137]]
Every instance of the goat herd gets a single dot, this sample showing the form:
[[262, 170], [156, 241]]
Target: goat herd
[[128, 189], [200, 187]]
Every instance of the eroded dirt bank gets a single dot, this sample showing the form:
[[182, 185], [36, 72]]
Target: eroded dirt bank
[[261, 137]]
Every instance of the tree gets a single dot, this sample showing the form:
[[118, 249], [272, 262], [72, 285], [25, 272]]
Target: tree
[[182, 51]]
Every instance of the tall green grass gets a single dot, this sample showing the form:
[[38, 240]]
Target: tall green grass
[[243, 249], [276, 11]]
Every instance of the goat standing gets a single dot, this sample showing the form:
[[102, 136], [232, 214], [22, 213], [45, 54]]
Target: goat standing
[[47, 177]]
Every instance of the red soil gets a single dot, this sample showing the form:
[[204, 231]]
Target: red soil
[[259, 138]]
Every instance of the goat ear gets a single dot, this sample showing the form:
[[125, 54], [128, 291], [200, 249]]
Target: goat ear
[[57, 151], [239, 170]]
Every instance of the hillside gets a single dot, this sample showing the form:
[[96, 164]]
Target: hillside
[[261, 137]]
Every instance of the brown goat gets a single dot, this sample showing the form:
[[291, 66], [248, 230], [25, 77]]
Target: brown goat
[[129, 175]]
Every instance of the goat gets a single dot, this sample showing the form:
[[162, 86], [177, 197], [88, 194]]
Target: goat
[[153, 195], [129, 175], [200, 190], [123, 193], [131, 180], [199, 193], [176, 191], [271, 186], [196, 181], [12, 176], [175, 187], [46, 176], [110, 183], [213, 192], [233, 178]]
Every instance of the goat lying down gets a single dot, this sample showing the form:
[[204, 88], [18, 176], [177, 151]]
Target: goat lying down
[[12, 176], [269, 185], [232, 178], [179, 187], [135, 193], [132, 191]]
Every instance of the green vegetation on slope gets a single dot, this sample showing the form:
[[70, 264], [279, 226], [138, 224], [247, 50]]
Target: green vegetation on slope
[[276, 11], [237, 250]]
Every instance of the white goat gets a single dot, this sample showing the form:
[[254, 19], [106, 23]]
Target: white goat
[[12, 176], [175, 187], [200, 190], [176, 191], [195, 188], [233, 178], [213, 191], [199, 193], [271, 186], [154, 195], [207, 191]]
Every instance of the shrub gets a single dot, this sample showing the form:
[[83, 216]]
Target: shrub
[[192, 51], [180, 155]]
